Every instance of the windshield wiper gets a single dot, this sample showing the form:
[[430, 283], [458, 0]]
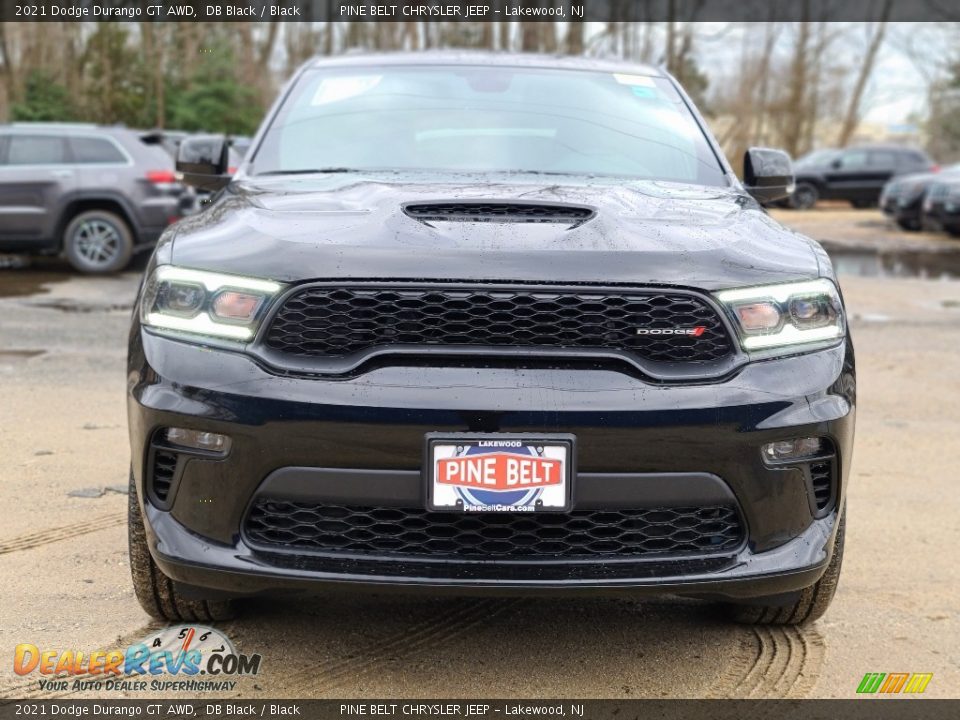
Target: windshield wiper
[[313, 171], [539, 172]]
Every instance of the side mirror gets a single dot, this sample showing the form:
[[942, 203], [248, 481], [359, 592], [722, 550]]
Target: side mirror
[[767, 174], [203, 160]]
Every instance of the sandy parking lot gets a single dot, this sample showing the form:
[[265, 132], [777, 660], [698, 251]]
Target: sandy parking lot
[[63, 540]]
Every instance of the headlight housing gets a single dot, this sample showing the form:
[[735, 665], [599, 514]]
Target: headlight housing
[[790, 315], [197, 302]]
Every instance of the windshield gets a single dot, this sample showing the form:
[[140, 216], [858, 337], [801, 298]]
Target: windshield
[[487, 120]]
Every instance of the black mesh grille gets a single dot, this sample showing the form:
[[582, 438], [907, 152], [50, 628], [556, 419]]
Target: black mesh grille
[[164, 466], [331, 322], [822, 475], [498, 212], [415, 532]]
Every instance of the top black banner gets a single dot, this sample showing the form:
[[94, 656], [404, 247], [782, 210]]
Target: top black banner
[[480, 10]]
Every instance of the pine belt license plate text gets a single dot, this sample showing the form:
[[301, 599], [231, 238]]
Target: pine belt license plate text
[[499, 472]]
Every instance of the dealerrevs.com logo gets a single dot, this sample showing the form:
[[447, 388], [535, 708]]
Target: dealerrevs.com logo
[[172, 660]]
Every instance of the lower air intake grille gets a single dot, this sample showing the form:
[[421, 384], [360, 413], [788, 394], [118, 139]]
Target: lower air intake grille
[[164, 467], [678, 531], [821, 473], [664, 327]]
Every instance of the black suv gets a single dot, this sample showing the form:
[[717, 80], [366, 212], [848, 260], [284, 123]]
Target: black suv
[[96, 194], [903, 197], [488, 323], [856, 174]]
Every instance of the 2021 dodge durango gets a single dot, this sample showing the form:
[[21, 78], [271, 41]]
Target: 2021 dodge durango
[[488, 324]]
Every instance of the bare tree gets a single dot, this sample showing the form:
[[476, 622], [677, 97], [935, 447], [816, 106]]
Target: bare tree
[[574, 39], [852, 117]]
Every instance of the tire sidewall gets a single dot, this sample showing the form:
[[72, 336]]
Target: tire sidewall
[[80, 263]]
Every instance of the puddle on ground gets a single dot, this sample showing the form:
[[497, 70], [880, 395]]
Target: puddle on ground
[[23, 276], [75, 306], [27, 282], [922, 264]]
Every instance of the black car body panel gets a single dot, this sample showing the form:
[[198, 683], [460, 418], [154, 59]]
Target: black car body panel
[[671, 447], [696, 443]]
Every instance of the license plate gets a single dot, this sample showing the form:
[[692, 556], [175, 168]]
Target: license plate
[[499, 472]]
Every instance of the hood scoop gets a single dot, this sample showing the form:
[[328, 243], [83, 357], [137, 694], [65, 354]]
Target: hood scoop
[[500, 212]]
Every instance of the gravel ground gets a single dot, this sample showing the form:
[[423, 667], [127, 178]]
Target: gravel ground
[[63, 540]]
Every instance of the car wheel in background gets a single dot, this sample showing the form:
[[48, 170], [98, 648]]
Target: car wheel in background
[[804, 196], [157, 593], [953, 230], [98, 241], [812, 603], [910, 225]]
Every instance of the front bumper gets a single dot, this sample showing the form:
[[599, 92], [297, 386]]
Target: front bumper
[[902, 209], [638, 444]]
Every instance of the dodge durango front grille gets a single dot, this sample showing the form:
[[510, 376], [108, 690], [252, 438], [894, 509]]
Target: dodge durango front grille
[[667, 531], [653, 325]]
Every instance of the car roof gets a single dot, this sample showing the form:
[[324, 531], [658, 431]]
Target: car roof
[[65, 128], [484, 58], [885, 146]]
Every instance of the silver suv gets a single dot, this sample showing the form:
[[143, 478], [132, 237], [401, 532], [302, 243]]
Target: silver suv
[[96, 194]]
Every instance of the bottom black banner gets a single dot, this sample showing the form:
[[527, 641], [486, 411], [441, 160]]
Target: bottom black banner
[[874, 708]]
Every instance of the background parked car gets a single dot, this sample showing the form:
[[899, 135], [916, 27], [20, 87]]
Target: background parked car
[[903, 197], [855, 174], [941, 206], [94, 193]]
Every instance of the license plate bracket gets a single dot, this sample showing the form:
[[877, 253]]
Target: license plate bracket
[[499, 472]]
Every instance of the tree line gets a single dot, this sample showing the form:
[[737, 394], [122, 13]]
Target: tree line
[[796, 85]]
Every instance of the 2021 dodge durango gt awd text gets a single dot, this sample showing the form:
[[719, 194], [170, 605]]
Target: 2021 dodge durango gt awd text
[[487, 323]]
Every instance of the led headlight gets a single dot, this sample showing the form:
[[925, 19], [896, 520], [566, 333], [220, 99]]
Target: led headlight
[[791, 314], [205, 303]]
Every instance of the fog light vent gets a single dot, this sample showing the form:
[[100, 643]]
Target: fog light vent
[[164, 468], [821, 474]]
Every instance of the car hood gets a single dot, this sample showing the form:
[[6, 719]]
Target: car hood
[[354, 227]]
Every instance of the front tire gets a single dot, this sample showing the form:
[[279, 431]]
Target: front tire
[[157, 594], [805, 196], [812, 603], [98, 242]]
